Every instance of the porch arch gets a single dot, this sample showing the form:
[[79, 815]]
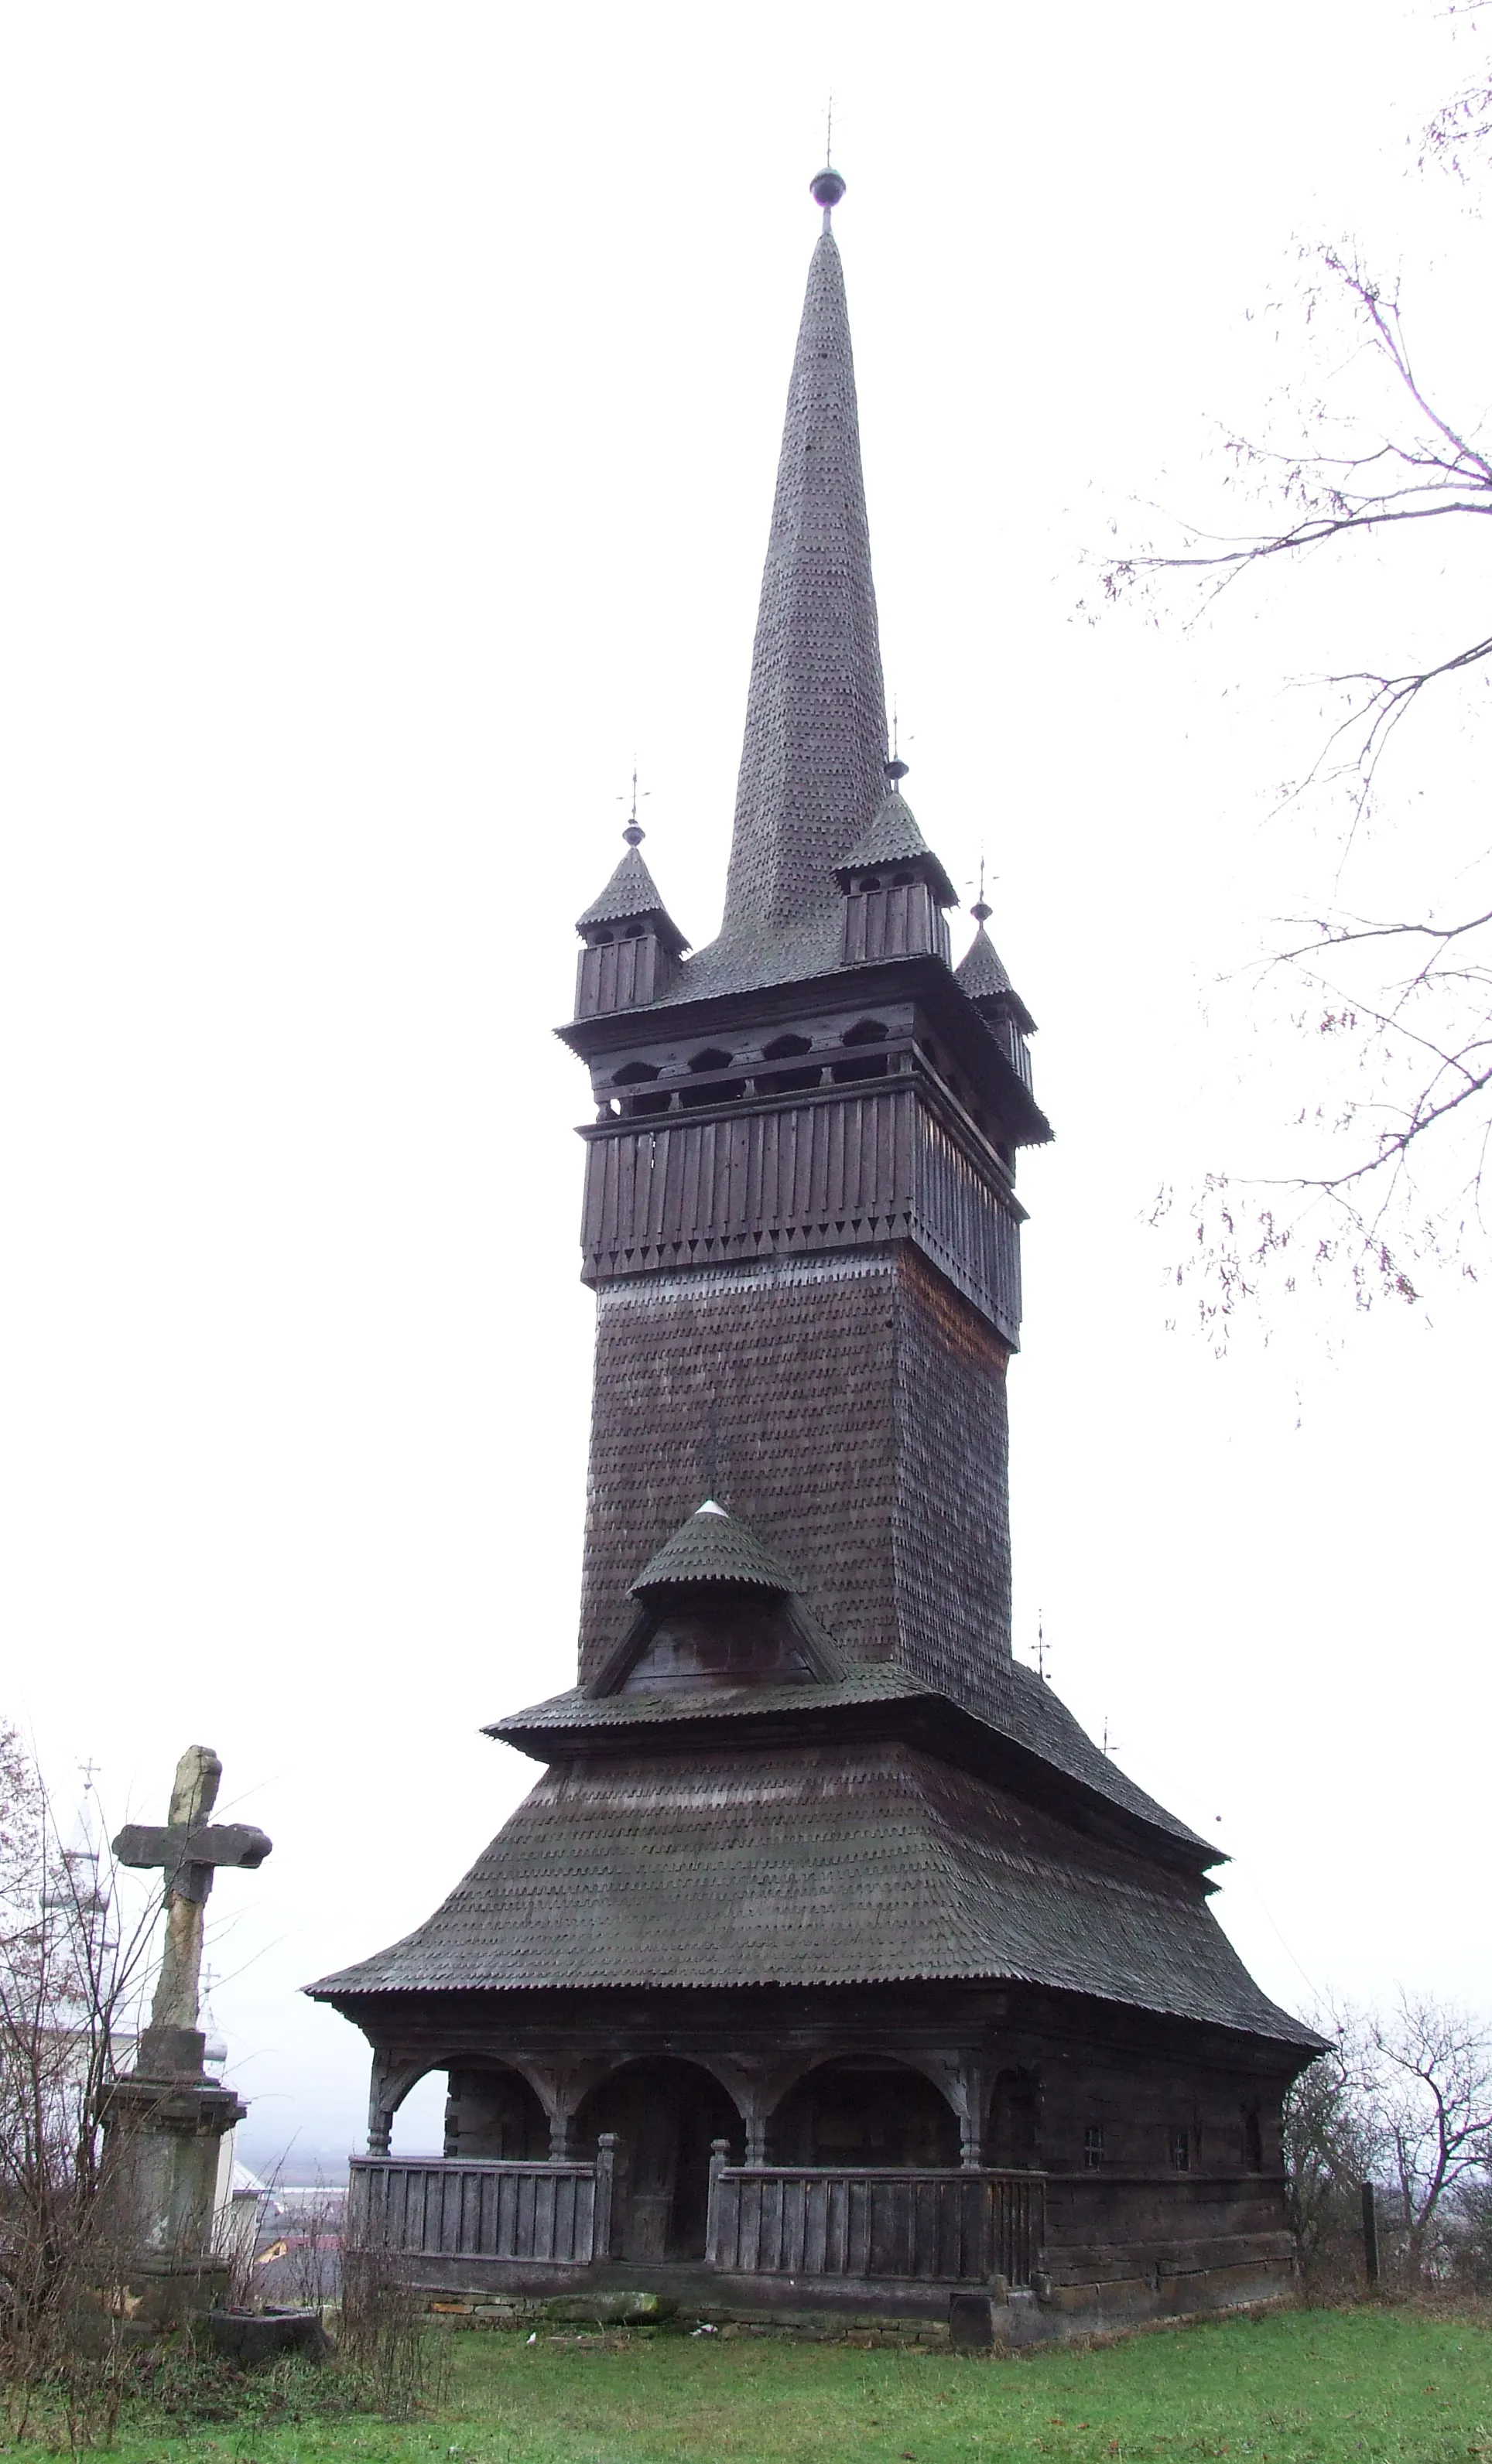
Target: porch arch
[[494, 2110], [394, 2081], [865, 2110], [665, 2114]]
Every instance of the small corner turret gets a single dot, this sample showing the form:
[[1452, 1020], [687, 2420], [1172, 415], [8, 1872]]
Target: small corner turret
[[895, 888], [632, 946], [981, 974]]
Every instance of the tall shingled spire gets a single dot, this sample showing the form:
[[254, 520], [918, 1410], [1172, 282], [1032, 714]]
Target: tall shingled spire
[[815, 730]]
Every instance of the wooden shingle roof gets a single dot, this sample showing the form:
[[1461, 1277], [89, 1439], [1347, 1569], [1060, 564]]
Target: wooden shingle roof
[[713, 1546], [894, 837], [867, 1865]]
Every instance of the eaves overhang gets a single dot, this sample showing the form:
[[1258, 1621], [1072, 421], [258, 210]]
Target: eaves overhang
[[873, 1703], [920, 976]]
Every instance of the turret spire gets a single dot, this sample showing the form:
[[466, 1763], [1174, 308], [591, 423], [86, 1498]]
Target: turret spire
[[816, 730]]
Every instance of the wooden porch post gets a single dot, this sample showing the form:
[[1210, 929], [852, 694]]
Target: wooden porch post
[[719, 2158], [380, 2120], [973, 2087], [601, 2214]]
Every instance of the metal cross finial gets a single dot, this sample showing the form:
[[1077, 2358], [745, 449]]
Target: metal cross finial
[[829, 131], [88, 1769], [1040, 1650], [634, 831], [981, 910], [896, 769]]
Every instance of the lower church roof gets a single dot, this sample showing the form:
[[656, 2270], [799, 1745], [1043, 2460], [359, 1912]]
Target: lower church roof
[[836, 1866], [1014, 1703]]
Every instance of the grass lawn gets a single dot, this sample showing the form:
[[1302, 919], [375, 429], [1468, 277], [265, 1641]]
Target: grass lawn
[[1296, 2385]]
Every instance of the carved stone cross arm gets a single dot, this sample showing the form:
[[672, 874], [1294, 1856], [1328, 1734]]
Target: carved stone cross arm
[[188, 1849], [189, 1857]]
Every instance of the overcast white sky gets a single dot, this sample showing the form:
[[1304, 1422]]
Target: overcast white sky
[[386, 452]]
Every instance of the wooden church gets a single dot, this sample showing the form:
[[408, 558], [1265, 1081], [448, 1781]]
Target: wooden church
[[828, 1965]]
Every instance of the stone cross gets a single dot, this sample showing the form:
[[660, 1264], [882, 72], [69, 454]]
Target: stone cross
[[188, 1849]]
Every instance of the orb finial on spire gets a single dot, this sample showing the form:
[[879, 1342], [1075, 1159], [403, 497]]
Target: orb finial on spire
[[827, 188], [635, 833], [896, 769]]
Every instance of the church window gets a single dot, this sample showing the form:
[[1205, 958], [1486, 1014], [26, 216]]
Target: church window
[[902, 880], [641, 1074], [872, 881], [866, 1030], [1181, 2151], [787, 1082], [1253, 2140], [723, 1091], [1093, 2147], [600, 939]]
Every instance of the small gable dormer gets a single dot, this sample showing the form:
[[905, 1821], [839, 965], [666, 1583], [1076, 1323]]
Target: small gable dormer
[[715, 1608], [981, 974], [631, 944], [895, 888]]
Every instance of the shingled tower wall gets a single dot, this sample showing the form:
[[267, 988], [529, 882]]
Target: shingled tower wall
[[851, 1409]]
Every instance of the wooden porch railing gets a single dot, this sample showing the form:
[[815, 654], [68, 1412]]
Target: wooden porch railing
[[821, 2221], [559, 2213]]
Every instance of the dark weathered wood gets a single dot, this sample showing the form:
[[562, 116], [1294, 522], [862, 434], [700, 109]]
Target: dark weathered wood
[[830, 2221], [557, 2215], [1371, 2233], [622, 972], [832, 1170]]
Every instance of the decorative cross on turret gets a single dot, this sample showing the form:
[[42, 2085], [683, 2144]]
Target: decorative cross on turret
[[188, 1849]]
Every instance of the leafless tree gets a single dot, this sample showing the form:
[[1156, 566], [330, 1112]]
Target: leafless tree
[[68, 1977], [1432, 2113], [1331, 2146], [1378, 457], [1404, 2101], [1460, 136]]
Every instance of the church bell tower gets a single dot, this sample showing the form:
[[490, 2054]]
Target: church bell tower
[[828, 1964], [800, 1215]]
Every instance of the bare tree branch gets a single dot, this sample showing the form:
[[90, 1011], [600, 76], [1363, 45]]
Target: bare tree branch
[[1423, 1044]]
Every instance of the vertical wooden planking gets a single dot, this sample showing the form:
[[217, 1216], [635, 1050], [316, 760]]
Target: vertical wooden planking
[[544, 2215], [690, 1214]]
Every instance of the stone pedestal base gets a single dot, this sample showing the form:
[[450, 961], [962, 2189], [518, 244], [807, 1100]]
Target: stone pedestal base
[[162, 2127]]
